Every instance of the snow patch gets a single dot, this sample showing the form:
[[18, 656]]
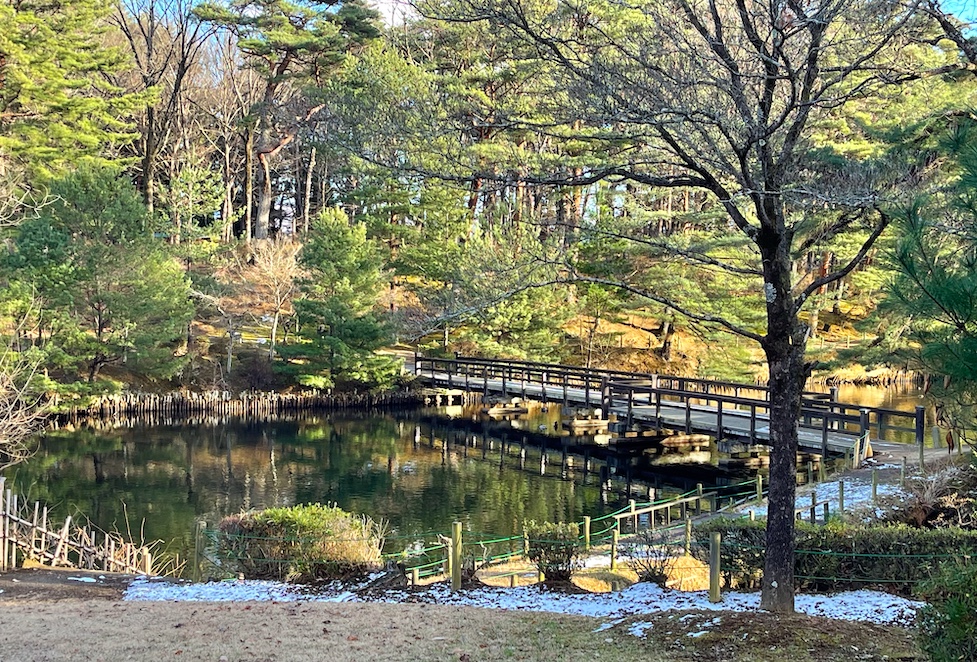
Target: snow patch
[[636, 600]]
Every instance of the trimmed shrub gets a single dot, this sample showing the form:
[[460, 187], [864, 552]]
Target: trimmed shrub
[[842, 556], [948, 624], [304, 543], [554, 548]]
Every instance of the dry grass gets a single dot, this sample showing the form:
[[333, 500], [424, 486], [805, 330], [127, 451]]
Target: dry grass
[[685, 573], [38, 631], [45, 616]]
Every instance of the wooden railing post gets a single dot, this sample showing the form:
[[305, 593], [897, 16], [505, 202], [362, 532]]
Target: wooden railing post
[[921, 433], [3, 526], [824, 436], [456, 556], [715, 540], [586, 533], [614, 541], [863, 423], [605, 398], [198, 549], [688, 415]]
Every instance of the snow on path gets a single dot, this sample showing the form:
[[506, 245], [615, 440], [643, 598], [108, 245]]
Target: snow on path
[[639, 599]]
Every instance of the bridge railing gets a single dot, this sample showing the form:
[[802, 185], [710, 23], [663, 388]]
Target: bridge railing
[[820, 412]]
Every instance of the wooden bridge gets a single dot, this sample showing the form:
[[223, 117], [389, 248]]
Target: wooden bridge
[[725, 410]]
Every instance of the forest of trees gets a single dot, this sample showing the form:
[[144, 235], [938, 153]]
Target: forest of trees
[[262, 193]]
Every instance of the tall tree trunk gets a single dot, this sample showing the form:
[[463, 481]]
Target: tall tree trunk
[[262, 218], [249, 186], [227, 209], [307, 198], [784, 346], [149, 162], [274, 333]]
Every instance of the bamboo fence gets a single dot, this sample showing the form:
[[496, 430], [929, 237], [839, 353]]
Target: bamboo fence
[[27, 533]]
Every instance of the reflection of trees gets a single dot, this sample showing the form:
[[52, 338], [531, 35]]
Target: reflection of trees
[[170, 476]]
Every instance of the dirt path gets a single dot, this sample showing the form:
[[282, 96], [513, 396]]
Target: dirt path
[[108, 630]]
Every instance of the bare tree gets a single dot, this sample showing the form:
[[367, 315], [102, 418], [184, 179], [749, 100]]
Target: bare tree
[[724, 97], [165, 42], [272, 276], [22, 410]]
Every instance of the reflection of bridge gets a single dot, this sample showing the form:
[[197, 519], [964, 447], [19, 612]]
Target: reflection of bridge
[[722, 409]]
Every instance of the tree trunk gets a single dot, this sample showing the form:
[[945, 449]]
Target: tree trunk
[[149, 162], [227, 210], [307, 198], [262, 218], [784, 347], [274, 334], [249, 186]]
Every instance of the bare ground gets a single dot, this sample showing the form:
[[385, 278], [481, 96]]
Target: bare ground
[[46, 615]]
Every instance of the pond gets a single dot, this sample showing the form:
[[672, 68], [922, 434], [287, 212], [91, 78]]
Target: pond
[[409, 468], [418, 470]]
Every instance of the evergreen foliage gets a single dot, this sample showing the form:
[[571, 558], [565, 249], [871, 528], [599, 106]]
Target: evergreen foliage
[[57, 103], [339, 324], [106, 292], [948, 622]]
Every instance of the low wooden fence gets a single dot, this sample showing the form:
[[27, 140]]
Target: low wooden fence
[[223, 403], [27, 533]]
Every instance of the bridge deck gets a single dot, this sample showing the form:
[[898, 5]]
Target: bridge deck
[[696, 406]]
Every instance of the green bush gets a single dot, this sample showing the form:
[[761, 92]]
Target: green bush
[[842, 556], [304, 543], [948, 624], [554, 548]]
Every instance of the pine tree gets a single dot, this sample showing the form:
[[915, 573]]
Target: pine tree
[[56, 105]]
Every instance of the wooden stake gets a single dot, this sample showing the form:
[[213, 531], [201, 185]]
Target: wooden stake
[[715, 541]]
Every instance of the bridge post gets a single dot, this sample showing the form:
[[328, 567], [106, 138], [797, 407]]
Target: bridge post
[[586, 380], [605, 398], [824, 437], [863, 422], [565, 378], [630, 407], [658, 408], [484, 381], [719, 420], [920, 425], [688, 415]]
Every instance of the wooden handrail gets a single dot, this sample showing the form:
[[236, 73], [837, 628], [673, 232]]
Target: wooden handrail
[[603, 387]]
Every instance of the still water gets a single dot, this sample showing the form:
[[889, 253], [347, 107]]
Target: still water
[[402, 467], [418, 470]]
